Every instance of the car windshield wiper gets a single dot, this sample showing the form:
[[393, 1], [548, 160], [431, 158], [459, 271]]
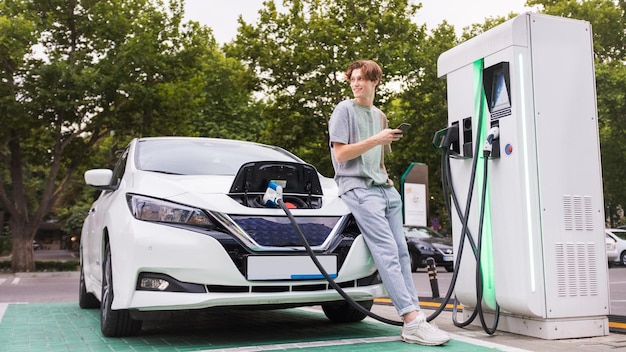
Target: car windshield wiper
[[164, 172]]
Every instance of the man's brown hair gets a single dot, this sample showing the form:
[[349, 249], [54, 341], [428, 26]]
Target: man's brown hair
[[369, 69]]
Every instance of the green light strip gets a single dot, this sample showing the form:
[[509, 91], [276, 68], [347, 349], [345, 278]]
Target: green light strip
[[531, 246], [486, 258]]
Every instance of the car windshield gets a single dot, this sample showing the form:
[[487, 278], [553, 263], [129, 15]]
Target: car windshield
[[422, 232], [203, 156], [620, 234]]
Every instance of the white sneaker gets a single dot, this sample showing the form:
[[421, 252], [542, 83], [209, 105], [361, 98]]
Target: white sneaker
[[424, 333]]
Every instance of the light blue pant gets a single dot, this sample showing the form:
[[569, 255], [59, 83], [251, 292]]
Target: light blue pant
[[378, 212]]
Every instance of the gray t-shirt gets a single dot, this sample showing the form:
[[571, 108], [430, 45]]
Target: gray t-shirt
[[351, 123]]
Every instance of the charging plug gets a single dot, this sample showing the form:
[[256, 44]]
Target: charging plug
[[447, 138], [273, 193], [492, 135]]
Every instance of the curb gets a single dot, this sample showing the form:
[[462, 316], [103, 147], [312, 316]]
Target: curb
[[42, 274]]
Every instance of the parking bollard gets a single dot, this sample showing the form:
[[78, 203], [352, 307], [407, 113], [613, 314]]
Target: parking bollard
[[432, 276]]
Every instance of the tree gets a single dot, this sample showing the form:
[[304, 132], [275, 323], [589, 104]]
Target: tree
[[423, 103], [300, 55], [73, 71]]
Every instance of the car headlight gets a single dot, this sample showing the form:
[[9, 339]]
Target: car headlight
[[151, 209], [427, 248]]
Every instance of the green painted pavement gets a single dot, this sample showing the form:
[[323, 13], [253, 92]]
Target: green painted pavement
[[65, 327]]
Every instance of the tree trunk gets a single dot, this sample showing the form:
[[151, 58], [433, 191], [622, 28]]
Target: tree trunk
[[22, 254]]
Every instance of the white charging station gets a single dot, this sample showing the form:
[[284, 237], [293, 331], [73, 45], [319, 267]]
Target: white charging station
[[543, 259]]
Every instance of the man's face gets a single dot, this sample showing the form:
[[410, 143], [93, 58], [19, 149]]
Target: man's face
[[361, 86]]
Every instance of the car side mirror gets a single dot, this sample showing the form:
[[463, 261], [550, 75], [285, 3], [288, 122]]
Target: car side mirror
[[100, 179]]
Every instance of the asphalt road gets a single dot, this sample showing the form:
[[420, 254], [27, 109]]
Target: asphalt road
[[63, 287]]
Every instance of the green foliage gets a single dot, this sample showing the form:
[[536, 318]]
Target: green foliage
[[299, 56], [5, 244], [611, 82], [606, 18], [74, 72], [80, 79], [423, 104]]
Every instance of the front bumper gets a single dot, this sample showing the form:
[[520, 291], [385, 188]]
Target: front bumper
[[200, 260]]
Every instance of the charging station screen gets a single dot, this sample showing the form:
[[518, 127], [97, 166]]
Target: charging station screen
[[500, 99], [496, 85]]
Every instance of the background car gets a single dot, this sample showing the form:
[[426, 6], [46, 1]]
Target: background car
[[424, 242], [181, 224], [619, 235], [611, 248]]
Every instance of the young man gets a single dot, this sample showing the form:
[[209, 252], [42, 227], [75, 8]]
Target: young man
[[359, 137]]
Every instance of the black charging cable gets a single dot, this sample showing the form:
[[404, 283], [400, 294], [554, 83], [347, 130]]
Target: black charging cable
[[324, 273], [465, 231], [443, 140]]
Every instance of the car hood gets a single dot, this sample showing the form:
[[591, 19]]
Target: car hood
[[436, 242], [211, 193]]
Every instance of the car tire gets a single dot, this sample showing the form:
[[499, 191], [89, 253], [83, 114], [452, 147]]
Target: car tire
[[86, 300], [344, 312], [622, 258], [449, 268], [114, 323]]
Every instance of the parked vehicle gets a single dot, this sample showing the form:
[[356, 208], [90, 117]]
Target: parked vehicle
[[619, 235], [611, 248], [181, 224], [424, 242]]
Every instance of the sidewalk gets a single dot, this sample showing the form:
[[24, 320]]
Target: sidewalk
[[504, 341], [50, 255]]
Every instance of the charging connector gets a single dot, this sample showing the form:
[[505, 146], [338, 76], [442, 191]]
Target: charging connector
[[273, 193], [448, 138]]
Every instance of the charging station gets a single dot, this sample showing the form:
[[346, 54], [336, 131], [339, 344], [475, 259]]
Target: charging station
[[543, 261]]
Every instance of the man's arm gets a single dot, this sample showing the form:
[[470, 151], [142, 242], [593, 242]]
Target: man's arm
[[345, 152]]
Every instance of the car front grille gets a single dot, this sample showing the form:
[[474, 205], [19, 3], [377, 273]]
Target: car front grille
[[366, 281], [278, 231]]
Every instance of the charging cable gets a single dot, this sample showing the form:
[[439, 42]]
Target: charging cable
[[273, 198], [444, 139]]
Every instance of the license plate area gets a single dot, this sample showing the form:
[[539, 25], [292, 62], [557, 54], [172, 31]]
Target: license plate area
[[270, 267]]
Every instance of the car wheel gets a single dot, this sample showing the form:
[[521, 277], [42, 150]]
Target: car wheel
[[86, 300], [449, 268], [344, 312], [622, 258], [414, 261], [114, 323]]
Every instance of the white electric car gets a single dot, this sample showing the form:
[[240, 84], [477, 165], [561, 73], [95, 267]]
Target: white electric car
[[180, 224]]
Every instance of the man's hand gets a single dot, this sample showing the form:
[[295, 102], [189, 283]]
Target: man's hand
[[388, 135]]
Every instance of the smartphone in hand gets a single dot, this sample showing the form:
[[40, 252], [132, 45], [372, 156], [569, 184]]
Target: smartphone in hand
[[404, 127]]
